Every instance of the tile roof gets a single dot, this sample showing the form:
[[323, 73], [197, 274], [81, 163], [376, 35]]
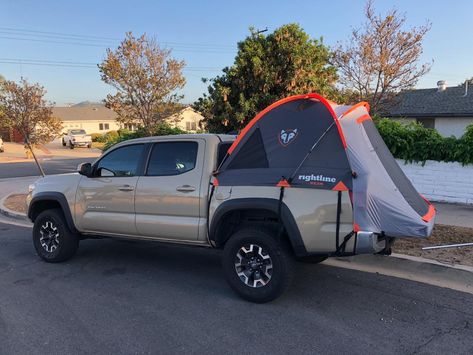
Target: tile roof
[[431, 103]]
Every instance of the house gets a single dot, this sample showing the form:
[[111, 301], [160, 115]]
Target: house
[[93, 118], [447, 109], [187, 119], [96, 118]]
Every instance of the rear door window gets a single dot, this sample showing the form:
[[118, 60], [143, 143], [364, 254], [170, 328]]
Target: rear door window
[[172, 158]]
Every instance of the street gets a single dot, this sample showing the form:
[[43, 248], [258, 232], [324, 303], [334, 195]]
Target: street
[[53, 166], [119, 297]]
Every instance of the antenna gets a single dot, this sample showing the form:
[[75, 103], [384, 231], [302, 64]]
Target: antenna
[[261, 31]]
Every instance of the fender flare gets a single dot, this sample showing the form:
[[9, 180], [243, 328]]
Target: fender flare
[[56, 197], [268, 204]]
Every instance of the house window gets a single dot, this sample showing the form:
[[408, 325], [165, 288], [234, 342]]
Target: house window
[[191, 126], [427, 122], [101, 126], [104, 126]]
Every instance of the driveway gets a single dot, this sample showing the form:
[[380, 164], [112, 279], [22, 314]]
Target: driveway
[[128, 298]]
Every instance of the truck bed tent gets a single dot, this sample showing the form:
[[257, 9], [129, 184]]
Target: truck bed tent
[[306, 141]]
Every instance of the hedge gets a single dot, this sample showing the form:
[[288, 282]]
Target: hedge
[[414, 143], [121, 135]]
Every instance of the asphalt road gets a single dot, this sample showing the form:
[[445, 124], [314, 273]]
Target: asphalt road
[[53, 166], [136, 298]]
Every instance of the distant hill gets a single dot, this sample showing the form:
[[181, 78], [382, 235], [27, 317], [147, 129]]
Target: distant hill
[[87, 104]]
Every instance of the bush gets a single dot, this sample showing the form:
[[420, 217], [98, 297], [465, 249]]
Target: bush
[[415, 143], [161, 129], [96, 137]]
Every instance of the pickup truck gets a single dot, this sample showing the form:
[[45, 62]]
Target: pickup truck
[[164, 189], [77, 138]]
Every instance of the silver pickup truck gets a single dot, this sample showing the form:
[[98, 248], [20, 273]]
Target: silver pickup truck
[[161, 189]]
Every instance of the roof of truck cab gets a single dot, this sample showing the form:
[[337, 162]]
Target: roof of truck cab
[[207, 136]]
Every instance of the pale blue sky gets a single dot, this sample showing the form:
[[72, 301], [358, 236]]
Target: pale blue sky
[[203, 33]]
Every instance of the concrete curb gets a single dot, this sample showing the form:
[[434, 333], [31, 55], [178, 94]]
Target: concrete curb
[[10, 213], [422, 270]]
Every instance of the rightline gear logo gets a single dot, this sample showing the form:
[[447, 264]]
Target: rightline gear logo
[[287, 136], [316, 179]]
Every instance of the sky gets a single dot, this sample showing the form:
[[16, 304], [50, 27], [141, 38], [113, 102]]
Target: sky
[[66, 39]]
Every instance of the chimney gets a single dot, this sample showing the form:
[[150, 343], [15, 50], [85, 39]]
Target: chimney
[[442, 85]]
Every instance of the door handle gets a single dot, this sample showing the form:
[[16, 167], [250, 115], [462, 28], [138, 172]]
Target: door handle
[[126, 188], [185, 188]]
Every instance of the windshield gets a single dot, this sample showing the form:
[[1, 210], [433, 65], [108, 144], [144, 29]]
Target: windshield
[[77, 131]]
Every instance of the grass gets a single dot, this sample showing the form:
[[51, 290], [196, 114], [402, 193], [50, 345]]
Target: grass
[[98, 145]]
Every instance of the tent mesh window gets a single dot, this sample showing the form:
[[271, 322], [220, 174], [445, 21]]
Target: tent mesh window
[[397, 175], [252, 155]]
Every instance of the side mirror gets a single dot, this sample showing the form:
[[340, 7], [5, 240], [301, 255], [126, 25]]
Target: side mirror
[[85, 169]]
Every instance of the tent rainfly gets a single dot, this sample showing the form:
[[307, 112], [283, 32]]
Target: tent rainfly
[[306, 141]]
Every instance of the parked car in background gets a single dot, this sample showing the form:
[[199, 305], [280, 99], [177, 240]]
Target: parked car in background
[[2, 148], [77, 138]]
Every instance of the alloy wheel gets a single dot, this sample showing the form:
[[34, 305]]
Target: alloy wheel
[[253, 265], [49, 239]]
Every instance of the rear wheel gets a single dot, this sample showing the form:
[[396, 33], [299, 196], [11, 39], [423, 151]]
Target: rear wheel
[[257, 267], [71, 145], [63, 142], [53, 240]]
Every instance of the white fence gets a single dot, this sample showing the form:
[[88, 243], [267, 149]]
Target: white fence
[[439, 181]]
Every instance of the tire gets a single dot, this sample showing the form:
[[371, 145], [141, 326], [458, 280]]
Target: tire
[[266, 276], [63, 143], [71, 145], [89, 146], [54, 248], [312, 259]]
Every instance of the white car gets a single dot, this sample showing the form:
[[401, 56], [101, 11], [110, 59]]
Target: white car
[[77, 138], [2, 148]]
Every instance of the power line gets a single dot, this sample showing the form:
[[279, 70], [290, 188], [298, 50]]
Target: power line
[[53, 63], [95, 41]]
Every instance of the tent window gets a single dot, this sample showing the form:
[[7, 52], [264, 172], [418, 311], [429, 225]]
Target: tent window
[[252, 155]]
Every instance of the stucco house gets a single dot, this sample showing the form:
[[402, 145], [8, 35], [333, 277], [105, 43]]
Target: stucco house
[[447, 109], [94, 118], [188, 120]]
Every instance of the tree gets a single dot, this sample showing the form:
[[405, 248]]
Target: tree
[[146, 79], [25, 110], [266, 68], [381, 58]]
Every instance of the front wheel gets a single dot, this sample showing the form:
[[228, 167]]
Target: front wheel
[[257, 267], [53, 240], [71, 145]]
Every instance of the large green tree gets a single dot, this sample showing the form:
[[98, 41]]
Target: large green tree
[[267, 68]]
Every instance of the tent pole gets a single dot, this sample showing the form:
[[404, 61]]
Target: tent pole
[[310, 152]]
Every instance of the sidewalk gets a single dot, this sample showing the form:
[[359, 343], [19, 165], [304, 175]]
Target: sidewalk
[[15, 152]]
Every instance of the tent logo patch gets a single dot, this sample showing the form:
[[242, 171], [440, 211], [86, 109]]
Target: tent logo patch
[[287, 136], [317, 179]]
